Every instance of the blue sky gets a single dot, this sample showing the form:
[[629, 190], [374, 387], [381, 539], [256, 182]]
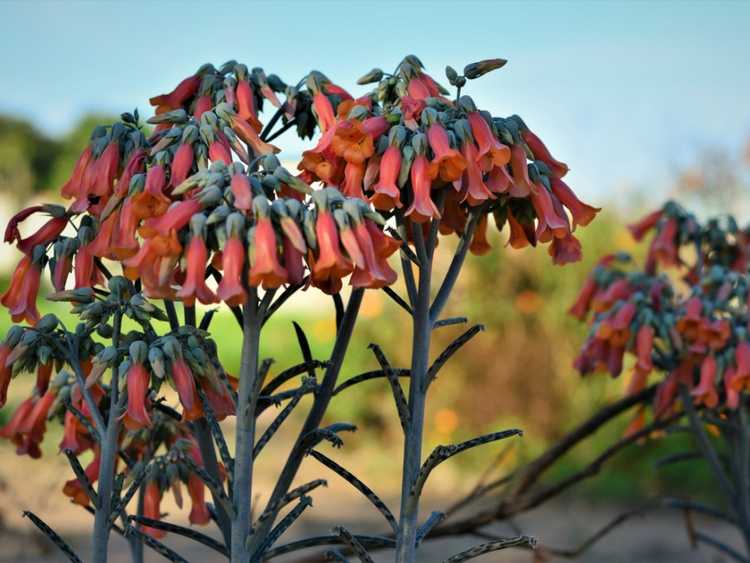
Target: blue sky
[[624, 92]]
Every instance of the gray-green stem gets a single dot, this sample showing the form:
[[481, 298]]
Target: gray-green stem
[[245, 437], [109, 447]]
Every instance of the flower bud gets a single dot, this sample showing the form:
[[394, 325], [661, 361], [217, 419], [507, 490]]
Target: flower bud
[[138, 351], [480, 68], [375, 75], [156, 361]]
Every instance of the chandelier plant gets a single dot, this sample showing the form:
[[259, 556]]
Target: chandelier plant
[[683, 318], [200, 208]]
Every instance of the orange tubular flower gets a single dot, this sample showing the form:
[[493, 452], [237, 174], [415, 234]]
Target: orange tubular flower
[[154, 263], [230, 288], [186, 390], [476, 192], [387, 193], [498, 180], [123, 243], [324, 112], [248, 134], [582, 213], [199, 514], [242, 192], [521, 182], [73, 188], [43, 236], [175, 99], [177, 216], [741, 379], [135, 165], [353, 175], [245, 100], [219, 150], [664, 248], [705, 393], [293, 262], [549, 220], [20, 297], [194, 286], [540, 151], [565, 250], [422, 208], [518, 235], [376, 273], [152, 508], [448, 163], [73, 487], [582, 304], [639, 229], [492, 153], [331, 264], [479, 244], [266, 269], [152, 202], [138, 383], [733, 396], [351, 142], [644, 346], [182, 164], [107, 167]]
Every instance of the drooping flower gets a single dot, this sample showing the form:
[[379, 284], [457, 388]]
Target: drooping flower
[[184, 382], [175, 99], [448, 164], [582, 213], [194, 286], [492, 153], [151, 201], [639, 229], [386, 194], [152, 508], [565, 250], [230, 288], [265, 267], [74, 489], [136, 416], [540, 151], [422, 208], [705, 393], [20, 297]]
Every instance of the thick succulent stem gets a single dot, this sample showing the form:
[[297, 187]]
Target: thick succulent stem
[[109, 448], [245, 438]]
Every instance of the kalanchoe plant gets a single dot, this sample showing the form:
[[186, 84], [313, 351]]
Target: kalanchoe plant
[[690, 333], [201, 209]]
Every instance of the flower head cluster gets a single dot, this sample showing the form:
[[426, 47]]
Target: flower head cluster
[[413, 152], [694, 330]]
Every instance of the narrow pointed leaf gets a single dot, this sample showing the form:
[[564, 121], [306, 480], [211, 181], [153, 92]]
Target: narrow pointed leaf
[[451, 349], [53, 536], [360, 486], [489, 547], [182, 531], [398, 393]]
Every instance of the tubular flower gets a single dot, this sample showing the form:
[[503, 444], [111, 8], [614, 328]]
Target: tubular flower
[[352, 142], [154, 264], [152, 508], [331, 264], [376, 273], [492, 153], [741, 379], [48, 232], [136, 415], [448, 164], [540, 151], [182, 164], [73, 487], [199, 514], [476, 192], [638, 230], [582, 304], [20, 297], [664, 248], [123, 243], [550, 221], [175, 99], [152, 202], [422, 208], [521, 182], [242, 192], [107, 166], [73, 188], [644, 346], [135, 165], [705, 393], [582, 213], [565, 250], [498, 180], [266, 270], [176, 217], [386, 192], [230, 288], [479, 244], [293, 262], [519, 237], [689, 324], [184, 382], [194, 287], [324, 112], [353, 175], [249, 135], [245, 99]]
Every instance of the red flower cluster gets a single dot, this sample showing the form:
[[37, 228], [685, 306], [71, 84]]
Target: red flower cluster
[[404, 145], [697, 338]]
